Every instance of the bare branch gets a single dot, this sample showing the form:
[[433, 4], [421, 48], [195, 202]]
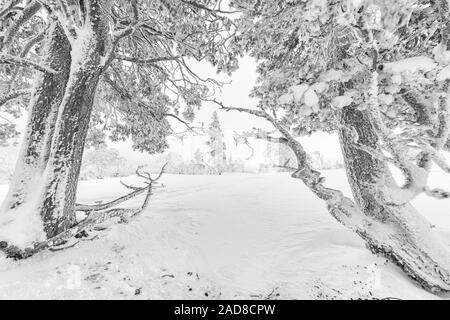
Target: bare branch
[[257, 113], [146, 61], [103, 206], [129, 186], [180, 120], [160, 173]]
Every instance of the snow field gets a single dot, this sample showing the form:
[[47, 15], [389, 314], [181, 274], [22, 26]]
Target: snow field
[[233, 236]]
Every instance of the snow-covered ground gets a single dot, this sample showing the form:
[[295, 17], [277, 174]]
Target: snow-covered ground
[[232, 236]]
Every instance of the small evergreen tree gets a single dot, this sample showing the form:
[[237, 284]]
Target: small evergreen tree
[[198, 164], [198, 157], [318, 160], [217, 145]]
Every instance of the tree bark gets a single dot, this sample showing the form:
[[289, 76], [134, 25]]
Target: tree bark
[[46, 97], [57, 204], [399, 233]]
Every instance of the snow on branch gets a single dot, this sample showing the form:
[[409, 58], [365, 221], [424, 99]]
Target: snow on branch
[[211, 10], [431, 119], [12, 95], [119, 35], [27, 13], [127, 95], [146, 61], [28, 46], [9, 59], [8, 6]]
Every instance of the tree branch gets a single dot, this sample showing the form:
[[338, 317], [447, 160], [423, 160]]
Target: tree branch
[[103, 206], [257, 113], [7, 58], [145, 61], [12, 95], [29, 11], [180, 120], [136, 191], [8, 7]]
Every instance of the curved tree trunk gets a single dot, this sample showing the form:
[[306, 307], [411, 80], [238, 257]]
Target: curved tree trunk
[[399, 233], [47, 95]]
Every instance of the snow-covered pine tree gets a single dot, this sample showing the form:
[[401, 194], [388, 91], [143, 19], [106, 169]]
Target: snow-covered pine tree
[[318, 160], [198, 157], [217, 147], [138, 49], [375, 71], [198, 163]]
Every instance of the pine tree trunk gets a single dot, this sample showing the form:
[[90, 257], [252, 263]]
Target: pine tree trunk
[[399, 233], [57, 203], [61, 177], [366, 174], [46, 97]]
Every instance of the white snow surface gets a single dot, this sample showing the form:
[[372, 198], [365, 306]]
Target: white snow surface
[[444, 74], [233, 236], [413, 64], [311, 98], [298, 91], [341, 101]]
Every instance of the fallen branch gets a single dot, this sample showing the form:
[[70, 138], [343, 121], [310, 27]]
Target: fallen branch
[[96, 215], [104, 206], [136, 191]]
